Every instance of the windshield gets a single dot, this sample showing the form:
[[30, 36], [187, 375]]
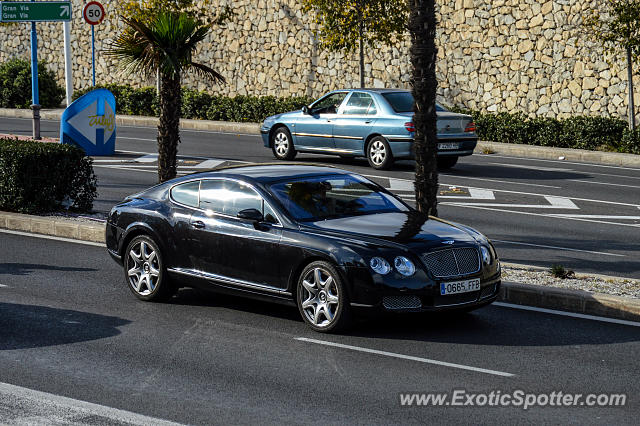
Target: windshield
[[403, 101], [329, 197]]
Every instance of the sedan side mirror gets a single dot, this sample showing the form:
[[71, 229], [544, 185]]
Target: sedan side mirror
[[305, 110], [253, 215]]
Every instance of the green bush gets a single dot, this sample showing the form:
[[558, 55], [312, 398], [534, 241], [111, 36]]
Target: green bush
[[38, 177], [581, 132], [201, 105], [15, 85]]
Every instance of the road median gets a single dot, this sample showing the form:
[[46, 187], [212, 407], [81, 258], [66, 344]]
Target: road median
[[577, 301]]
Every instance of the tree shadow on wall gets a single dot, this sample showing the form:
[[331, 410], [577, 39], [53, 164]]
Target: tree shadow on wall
[[313, 58]]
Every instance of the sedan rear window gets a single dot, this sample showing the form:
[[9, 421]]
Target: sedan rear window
[[403, 101], [330, 197], [186, 193]]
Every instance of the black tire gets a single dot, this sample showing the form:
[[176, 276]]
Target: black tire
[[379, 153], [445, 163], [282, 144], [316, 309], [150, 282]]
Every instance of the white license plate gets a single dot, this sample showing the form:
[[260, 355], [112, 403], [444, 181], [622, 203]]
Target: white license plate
[[460, 287], [442, 146]]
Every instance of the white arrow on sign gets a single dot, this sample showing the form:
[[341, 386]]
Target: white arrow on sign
[[64, 10]]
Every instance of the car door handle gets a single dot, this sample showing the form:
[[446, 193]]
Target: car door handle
[[198, 224], [367, 122]]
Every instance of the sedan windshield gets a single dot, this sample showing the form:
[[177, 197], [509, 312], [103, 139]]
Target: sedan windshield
[[403, 101], [335, 196]]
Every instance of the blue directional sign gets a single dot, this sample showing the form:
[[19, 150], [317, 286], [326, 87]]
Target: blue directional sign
[[90, 123]]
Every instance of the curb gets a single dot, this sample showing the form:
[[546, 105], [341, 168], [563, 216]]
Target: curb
[[551, 153], [577, 301], [516, 150]]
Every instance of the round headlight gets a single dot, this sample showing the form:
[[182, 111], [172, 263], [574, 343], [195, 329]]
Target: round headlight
[[486, 255], [380, 265], [404, 266]]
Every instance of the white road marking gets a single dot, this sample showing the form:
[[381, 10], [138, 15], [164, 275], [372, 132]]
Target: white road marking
[[150, 158], [567, 314], [407, 357], [400, 185], [471, 206], [121, 416], [51, 237], [510, 182], [564, 162], [597, 216], [474, 194], [3, 286], [128, 168], [542, 169], [555, 203], [604, 183], [209, 164], [557, 248], [136, 139]]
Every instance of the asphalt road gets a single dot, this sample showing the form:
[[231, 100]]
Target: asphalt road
[[70, 327], [541, 212]]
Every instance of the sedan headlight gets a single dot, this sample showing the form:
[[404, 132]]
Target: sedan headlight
[[380, 265], [486, 255], [404, 266]]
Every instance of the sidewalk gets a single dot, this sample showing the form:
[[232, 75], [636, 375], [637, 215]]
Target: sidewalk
[[516, 150], [577, 301]]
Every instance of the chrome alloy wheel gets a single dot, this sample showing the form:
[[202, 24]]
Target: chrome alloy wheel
[[320, 297], [377, 152], [143, 268], [281, 142]]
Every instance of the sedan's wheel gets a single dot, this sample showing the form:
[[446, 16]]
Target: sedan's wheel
[[379, 153], [282, 144], [322, 300], [144, 270], [447, 162]]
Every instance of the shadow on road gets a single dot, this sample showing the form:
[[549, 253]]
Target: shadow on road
[[31, 326], [28, 268]]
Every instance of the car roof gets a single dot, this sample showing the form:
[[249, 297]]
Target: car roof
[[270, 172], [375, 90]]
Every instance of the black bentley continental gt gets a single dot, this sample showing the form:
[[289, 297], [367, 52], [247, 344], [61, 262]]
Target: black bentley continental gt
[[327, 240]]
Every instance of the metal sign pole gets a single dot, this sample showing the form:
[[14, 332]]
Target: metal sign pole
[[68, 68], [35, 99], [93, 55]]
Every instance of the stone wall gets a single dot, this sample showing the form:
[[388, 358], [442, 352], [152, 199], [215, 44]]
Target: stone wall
[[498, 55]]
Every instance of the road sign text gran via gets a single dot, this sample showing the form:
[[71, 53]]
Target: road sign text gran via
[[35, 11]]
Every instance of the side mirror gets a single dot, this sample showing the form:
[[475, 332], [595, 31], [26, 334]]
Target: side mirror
[[305, 110], [253, 215]]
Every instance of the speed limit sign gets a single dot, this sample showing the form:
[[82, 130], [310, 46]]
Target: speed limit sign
[[93, 13]]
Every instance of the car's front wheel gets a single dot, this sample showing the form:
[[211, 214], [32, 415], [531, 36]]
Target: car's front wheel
[[379, 153], [322, 300], [144, 270], [282, 144]]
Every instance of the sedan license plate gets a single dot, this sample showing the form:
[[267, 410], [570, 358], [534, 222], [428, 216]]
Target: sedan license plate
[[449, 145], [460, 287]]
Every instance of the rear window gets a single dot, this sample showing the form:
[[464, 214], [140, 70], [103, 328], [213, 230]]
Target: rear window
[[403, 101], [400, 101], [186, 193]]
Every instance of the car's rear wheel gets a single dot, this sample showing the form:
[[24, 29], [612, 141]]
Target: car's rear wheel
[[282, 144], [446, 162], [144, 271], [322, 300], [379, 153]]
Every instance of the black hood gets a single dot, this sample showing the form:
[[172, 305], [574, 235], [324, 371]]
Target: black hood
[[411, 229]]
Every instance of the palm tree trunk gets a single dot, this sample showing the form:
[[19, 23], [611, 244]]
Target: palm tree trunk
[[169, 126], [422, 28]]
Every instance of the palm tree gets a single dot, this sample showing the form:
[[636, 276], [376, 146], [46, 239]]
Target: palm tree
[[422, 28], [165, 42]]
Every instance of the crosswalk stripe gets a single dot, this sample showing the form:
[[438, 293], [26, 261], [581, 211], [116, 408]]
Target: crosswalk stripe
[[209, 164]]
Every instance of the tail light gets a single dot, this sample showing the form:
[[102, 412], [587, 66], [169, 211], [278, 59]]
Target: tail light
[[410, 126], [471, 127]]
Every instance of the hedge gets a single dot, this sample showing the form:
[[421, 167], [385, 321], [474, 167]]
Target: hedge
[[201, 105], [38, 177], [581, 132], [15, 85]]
